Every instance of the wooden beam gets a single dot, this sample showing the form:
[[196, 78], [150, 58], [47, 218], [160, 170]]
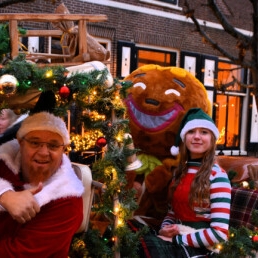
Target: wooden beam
[[82, 37], [44, 56], [66, 64], [42, 33], [52, 17], [14, 38]]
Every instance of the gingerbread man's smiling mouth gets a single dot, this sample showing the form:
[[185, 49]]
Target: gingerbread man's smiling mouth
[[152, 122]]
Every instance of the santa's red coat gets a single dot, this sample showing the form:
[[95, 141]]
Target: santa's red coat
[[50, 232]]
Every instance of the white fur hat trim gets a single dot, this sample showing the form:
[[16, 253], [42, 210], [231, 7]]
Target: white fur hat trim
[[44, 121]]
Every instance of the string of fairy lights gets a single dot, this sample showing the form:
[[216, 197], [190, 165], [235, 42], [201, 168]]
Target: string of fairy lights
[[99, 104]]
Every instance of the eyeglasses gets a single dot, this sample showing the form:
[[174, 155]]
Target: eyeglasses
[[36, 144]]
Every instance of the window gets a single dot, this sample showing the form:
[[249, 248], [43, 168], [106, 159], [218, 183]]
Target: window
[[228, 117], [131, 57], [106, 43], [166, 3], [169, 1], [158, 57], [229, 77], [228, 105]]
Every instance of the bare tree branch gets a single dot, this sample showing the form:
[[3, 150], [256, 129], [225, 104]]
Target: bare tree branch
[[237, 60], [226, 25]]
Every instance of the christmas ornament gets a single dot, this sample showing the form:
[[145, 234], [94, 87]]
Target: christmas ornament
[[245, 184], [101, 142], [8, 84], [255, 238], [64, 91]]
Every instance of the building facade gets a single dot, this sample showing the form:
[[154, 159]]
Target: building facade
[[140, 32]]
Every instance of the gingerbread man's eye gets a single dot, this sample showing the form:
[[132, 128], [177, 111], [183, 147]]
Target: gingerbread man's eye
[[180, 83], [140, 84], [172, 91]]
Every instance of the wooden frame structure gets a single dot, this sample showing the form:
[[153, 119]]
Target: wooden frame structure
[[82, 19]]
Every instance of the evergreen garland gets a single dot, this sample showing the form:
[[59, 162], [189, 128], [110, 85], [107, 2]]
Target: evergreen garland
[[5, 39], [240, 244], [87, 89]]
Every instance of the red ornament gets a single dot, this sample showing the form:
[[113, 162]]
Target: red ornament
[[64, 91], [101, 142], [255, 238]]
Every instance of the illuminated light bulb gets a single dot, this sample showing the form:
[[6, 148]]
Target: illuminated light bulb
[[118, 138], [219, 247], [116, 210], [245, 184], [119, 222], [49, 73]]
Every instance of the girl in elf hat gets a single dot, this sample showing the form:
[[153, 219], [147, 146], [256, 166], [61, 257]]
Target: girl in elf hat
[[200, 194]]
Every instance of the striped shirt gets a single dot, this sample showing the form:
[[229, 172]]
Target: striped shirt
[[216, 213]]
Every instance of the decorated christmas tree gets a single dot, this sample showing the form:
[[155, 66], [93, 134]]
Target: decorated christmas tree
[[100, 115]]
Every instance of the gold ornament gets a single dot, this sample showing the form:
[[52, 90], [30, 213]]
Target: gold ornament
[[245, 184], [8, 84]]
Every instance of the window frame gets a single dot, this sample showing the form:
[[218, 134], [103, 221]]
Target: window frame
[[243, 127], [160, 50], [108, 45], [163, 3]]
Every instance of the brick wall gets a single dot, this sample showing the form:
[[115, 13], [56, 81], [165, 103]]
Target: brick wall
[[150, 29]]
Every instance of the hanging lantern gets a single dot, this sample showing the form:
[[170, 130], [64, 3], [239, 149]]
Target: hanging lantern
[[8, 84], [64, 91]]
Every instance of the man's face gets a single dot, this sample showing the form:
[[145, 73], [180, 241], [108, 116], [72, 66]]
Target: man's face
[[41, 155]]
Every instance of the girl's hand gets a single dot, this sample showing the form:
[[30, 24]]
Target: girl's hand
[[165, 238], [169, 231]]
